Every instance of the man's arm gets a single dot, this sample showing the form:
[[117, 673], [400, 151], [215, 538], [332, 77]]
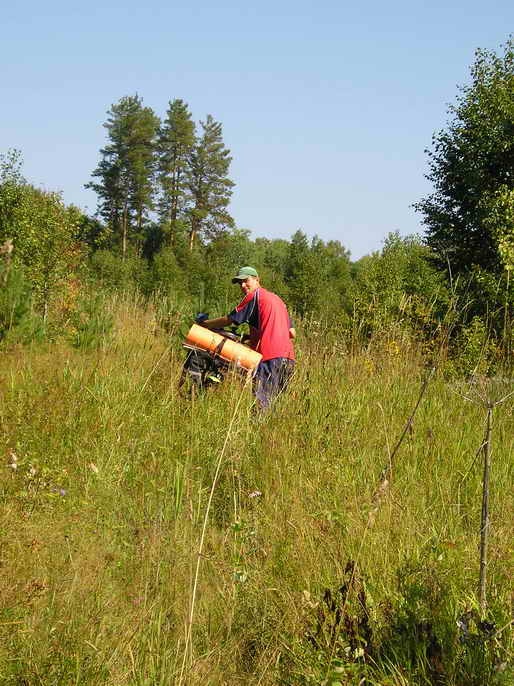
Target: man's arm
[[292, 330], [218, 323]]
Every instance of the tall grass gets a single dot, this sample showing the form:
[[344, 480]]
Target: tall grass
[[148, 538]]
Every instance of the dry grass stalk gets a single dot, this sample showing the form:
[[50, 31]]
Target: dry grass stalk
[[188, 649]]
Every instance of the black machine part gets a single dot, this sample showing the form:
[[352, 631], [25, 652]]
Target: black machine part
[[204, 368]]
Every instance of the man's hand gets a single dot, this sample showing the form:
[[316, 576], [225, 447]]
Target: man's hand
[[216, 323], [201, 317]]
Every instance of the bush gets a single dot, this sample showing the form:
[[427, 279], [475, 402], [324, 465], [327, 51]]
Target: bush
[[476, 350], [91, 323], [18, 323], [166, 274], [113, 271]]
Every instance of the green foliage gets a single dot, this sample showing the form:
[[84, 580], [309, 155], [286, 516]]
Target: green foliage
[[43, 231], [489, 297], [146, 160], [18, 322], [270, 259], [317, 276], [93, 233], [400, 287], [468, 216], [164, 196], [499, 220], [175, 144], [208, 183], [222, 258], [167, 276], [300, 275], [91, 322], [113, 271], [475, 350], [125, 171], [426, 631], [11, 185], [434, 636]]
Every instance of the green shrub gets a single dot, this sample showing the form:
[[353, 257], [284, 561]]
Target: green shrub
[[166, 274], [476, 351], [18, 323], [91, 323], [113, 271]]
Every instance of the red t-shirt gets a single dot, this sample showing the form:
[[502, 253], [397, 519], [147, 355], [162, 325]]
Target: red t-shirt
[[269, 322]]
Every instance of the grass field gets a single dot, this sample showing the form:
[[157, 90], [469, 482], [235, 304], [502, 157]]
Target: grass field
[[150, 539]]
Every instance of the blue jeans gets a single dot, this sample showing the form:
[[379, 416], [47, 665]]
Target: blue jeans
[[271, 378]]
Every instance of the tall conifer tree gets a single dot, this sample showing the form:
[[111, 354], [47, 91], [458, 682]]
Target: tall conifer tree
[[176, 141], [125, 171], [209, 184]]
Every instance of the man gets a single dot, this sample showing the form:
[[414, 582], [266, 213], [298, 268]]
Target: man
[[271, 334]]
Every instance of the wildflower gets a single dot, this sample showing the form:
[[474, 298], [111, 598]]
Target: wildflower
[[255, 494], [62, 492], [93, 467]]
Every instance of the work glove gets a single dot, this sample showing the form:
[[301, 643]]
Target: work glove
[[201, 317]]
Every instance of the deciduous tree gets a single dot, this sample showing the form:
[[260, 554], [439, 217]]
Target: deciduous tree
[[43, 231], [11, 190], [468, 216]]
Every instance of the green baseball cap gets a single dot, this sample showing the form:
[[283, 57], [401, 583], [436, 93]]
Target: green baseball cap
[[244, 273]]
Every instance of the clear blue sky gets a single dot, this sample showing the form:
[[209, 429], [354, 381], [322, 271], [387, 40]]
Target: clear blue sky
[[327, 107]]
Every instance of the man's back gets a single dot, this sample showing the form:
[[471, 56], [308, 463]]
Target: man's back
[[269, 323]]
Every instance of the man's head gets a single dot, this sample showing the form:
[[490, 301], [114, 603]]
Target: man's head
[[248, 279]]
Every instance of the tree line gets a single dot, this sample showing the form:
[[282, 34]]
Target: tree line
[[163, 224], [169, 175]]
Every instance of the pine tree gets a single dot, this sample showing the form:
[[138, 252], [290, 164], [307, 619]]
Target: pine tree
[[175, 143], [125, 171], [209, 184]]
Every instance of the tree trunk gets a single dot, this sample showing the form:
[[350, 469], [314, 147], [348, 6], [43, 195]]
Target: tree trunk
[[124, 232], [192, 236]]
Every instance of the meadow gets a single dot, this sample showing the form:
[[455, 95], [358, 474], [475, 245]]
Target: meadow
[[150, 538]]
